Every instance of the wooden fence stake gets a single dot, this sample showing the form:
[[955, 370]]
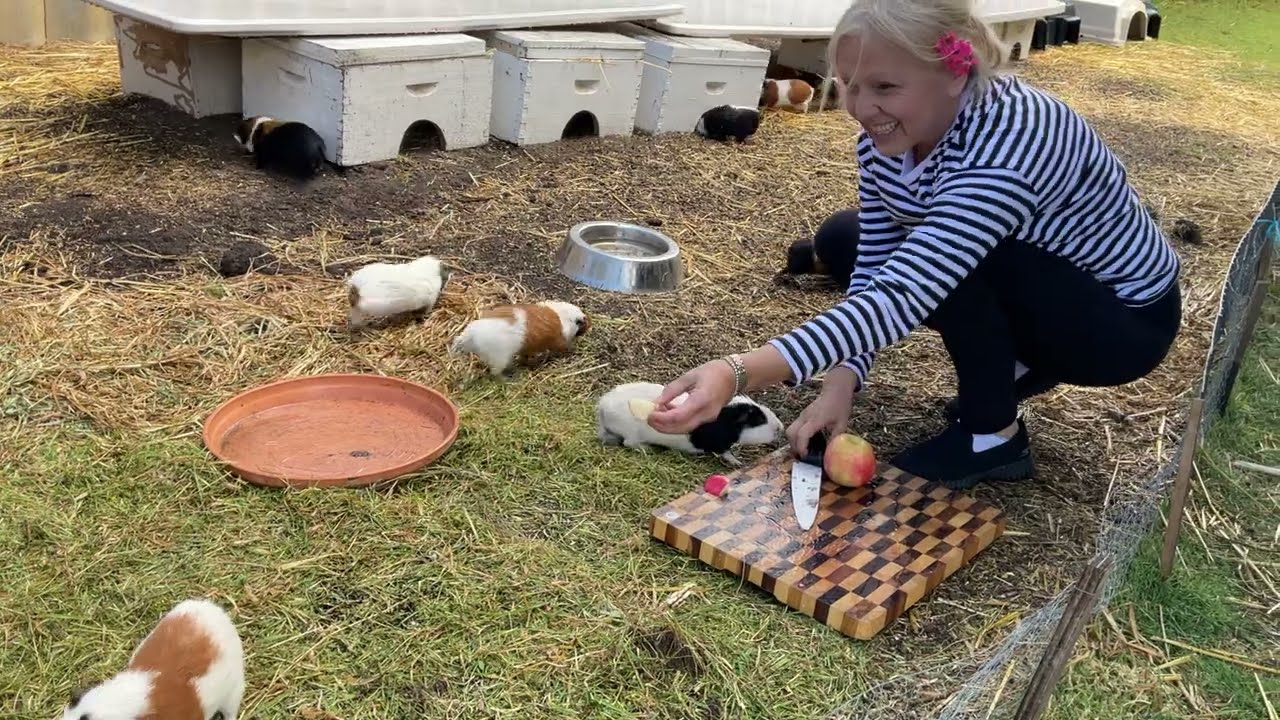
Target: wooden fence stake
[[1181, 486], [1080, 605]]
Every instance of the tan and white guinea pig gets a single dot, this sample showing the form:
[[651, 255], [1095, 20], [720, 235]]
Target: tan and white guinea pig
[[525, 333], [791, 94], [189, 667], [381, 290]]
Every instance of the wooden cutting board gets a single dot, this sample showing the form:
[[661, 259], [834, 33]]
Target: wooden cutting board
[[872, 553]]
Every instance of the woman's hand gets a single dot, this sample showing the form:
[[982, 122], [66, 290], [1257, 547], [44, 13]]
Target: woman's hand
[[710, 387], [830, 411]]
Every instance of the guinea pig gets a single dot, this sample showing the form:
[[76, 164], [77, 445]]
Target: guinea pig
[[189, 667], [803, 260], [290, 147], [832, 252], [728, 121], [524, 333], [622, 419], [381, 290], [789, 94]]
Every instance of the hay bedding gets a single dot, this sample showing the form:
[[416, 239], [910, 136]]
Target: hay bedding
[[114, 213]]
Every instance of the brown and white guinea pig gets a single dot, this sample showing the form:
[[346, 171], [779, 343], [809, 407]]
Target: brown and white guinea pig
[[622, 419], [525, 333], [380, 290], [289, 147], [790, 94], [189, 667], [778, 71], [728, 121]]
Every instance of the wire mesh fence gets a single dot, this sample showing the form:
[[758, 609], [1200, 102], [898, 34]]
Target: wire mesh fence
[[993, 685]]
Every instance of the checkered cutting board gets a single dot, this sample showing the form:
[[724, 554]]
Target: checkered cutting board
[[872, 553]]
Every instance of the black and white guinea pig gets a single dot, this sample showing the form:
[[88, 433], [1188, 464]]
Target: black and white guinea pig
[[622, 414], [189, 667], [289, 147], [728, 121]]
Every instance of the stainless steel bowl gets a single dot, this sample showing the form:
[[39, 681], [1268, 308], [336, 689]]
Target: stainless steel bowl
[[621, 257]]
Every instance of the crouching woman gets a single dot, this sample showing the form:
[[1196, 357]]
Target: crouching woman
[[990, 212]]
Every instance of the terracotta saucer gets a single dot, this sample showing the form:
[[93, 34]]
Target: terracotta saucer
[[331, 430]]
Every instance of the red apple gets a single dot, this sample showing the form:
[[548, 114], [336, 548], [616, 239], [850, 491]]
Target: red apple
[[849, 460]]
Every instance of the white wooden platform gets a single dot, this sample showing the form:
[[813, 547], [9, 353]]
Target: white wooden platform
[[245, 18], [360, 71], [809, 18]]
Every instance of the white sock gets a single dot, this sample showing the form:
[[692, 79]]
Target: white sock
[[986, 442], [1019, 370]]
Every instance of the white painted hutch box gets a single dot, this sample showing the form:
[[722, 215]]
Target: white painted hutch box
[[545, 79], [683, 77], [362, 93]]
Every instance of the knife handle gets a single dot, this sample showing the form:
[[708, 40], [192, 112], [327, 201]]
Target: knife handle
[[817, 448]]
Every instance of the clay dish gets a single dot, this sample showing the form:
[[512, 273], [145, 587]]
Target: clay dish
[[331, 430]]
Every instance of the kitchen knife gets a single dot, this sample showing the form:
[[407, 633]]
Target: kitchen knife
[[806, 481]]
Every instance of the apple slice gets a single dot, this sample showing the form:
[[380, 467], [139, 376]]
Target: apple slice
[[640, 407], [715, 484]]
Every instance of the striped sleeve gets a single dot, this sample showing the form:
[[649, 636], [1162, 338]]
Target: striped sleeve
[[878, 235], [971, 212]]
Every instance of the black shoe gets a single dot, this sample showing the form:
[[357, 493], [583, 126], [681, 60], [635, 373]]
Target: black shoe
[[948, 459]]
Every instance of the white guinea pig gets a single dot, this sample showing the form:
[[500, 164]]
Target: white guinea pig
[[381, 290], [189, 667], [622, 413], [527, 333]]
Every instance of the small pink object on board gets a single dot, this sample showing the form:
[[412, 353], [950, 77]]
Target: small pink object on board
[[715, 484]]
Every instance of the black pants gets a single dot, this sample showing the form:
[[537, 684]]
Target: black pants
[[1023, 304]]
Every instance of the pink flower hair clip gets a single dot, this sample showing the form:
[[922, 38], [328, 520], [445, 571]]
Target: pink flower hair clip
[[956, 53]]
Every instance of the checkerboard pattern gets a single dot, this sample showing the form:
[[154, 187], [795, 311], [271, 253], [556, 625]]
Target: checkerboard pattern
[[873, 551]]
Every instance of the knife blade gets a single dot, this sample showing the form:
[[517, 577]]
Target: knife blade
[[806, 482]]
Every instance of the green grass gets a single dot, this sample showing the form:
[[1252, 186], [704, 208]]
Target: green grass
[[1250, 29], [1199, 605], [518, 581]]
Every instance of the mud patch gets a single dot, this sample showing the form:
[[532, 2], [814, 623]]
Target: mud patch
[[669, 649]]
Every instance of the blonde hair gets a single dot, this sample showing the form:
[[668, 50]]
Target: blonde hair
[[916, 26]]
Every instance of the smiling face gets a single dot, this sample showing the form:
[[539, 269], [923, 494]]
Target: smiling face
[[903, 102]]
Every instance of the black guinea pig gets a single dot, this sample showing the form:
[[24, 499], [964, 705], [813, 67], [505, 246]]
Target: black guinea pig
[[728, 121], [832, 252], [292, 148], [801, 260]]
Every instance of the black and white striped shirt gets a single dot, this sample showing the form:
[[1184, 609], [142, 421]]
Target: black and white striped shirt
[[1016, 163]]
